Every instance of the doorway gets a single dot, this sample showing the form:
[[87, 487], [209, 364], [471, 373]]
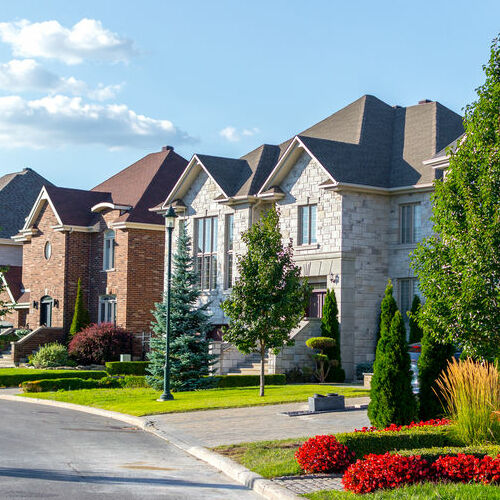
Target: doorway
[[46, 304]]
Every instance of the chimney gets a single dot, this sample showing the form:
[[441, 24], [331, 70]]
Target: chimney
[[167, 148], [424, 101]]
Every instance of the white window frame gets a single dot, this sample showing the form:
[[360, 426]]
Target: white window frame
[[108, 254], [310, 213], [410, 223], [205, 250], [107, 309], [229, 233]]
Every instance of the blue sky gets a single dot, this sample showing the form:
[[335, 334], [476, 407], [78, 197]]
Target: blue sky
[[87, 88]]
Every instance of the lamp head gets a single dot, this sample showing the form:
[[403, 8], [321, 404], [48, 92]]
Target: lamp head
[[170, 217]]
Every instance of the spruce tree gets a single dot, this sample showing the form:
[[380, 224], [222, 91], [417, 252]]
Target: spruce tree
[[391, 398], [415, 329], [432, 361], [81, 318], [189, 325], [330, 328]]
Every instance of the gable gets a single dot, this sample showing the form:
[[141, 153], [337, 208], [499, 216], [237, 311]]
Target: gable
[[202, 194]]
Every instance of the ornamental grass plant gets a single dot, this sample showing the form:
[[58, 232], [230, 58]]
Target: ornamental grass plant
[[470, 391]]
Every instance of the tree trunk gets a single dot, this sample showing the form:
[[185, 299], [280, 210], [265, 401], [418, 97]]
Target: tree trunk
[[262, 361]]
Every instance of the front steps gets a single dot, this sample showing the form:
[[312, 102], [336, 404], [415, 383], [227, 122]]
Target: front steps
[[250, 365], [6, 359]]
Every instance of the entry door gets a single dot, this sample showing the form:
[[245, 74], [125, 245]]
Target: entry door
[[46, 311]]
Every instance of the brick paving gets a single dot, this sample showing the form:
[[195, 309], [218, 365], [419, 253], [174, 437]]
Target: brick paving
[[310, 483]]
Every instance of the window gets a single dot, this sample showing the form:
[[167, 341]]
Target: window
[[229, 250], [409, 223], [206, 252], [47, 251], [408, 288], [107, 309], [316, 300], [307, 225], [108, 261]]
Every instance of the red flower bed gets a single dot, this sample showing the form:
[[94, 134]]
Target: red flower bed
[[323, 454], [459, 469], [385, 471], [396, 428], [488, 470]]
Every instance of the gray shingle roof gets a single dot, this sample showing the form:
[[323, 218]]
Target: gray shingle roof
[[18, 192]]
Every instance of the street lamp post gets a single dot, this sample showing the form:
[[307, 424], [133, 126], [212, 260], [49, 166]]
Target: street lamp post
[[170, 217]]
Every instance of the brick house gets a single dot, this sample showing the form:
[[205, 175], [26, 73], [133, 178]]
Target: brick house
[[18, 191], [108, 237], [354, 194]]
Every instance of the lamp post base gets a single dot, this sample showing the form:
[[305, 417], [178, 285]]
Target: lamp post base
[[166, 396]]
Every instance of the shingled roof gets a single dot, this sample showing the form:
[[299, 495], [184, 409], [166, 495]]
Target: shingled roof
[[13, 280], [18, 192]]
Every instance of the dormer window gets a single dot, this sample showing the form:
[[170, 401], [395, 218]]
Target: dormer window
[[109, 250]]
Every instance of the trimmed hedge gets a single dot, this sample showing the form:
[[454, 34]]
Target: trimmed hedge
[[14, 380], [69, 384], [380, 442], [221, 381], [126, 367], [432, 454]]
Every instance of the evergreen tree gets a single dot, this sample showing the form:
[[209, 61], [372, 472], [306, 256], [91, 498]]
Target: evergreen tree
[[415, 329], [391, 398], [268, 300], [189, 325], [459, 266], [433, 360], [330, 328], [388, 308], [81, 318]]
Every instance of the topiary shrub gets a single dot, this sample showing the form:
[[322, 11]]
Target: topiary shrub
[[391, 397], [50, 355], [323, 454], [126, 367], [81, 317], [323, 363], [97, 344], [433, 360]]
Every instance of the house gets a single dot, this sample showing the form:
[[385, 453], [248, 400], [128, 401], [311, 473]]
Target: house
[[354, 195], [108, 238], [18, 191]]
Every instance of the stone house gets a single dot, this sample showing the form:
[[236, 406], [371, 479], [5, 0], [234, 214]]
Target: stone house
[[108, 238], [354, 195], [18, 192]]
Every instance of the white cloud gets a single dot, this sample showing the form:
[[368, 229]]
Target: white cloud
[[86, 40], [59, 120], [27, 75], [233, 135]]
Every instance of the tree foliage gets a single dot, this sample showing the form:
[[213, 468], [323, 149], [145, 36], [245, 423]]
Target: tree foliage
[[459, 266], [391, 397], [388, 309], [330, 328], [416, 332], [433, 360], [323, 362], [81, 318], [4, 305], [189, 325], [268, 299]]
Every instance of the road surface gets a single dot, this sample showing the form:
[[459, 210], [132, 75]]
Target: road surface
[[53, 453]]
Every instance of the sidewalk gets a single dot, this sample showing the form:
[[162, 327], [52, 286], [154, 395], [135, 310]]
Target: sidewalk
[[258, 423]]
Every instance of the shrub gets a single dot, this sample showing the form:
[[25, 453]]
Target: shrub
[[384, 471], [323, 454], [415, 329], [69, 384], [391, 396], [397, 428], [471, 391], [50, 355], [81, 318], [133, 381], [126, 367], [323, 363], [100, 343], [432, 361], [432, 454], [246, 380], [15, 379]]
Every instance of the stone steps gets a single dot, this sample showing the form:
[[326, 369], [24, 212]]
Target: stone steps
[[6, 360]]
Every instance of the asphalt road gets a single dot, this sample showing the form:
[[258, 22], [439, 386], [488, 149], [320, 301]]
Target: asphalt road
[[47, 452]]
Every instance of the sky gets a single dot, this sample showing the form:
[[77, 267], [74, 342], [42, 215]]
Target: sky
[[88, 88]]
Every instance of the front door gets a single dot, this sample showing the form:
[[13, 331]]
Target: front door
[[46, 311]]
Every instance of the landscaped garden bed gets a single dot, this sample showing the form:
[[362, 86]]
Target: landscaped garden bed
[[142, 401]]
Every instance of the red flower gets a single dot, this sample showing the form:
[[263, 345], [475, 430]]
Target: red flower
[[396, 428]]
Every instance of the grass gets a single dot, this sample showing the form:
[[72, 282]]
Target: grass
[[140, 402], [424, 491], [471, 391]]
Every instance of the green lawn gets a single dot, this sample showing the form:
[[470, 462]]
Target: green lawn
[[424, 491], [143, 401]]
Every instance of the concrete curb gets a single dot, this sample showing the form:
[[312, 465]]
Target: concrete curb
[[235, 471]]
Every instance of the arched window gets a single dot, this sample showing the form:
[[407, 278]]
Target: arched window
[[47, 250], [109, 250]]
